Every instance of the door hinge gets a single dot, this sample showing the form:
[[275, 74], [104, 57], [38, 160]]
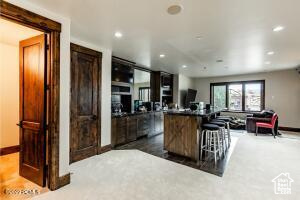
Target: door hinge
[[47, 126], [47, 87], [47, 47]]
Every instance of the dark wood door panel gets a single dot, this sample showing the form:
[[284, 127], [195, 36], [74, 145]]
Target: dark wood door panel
[[33, 109], [85, 103], [30, 155], [85, 139]]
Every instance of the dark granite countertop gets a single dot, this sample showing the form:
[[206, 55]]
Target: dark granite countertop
[[199, 113], [118, 115]]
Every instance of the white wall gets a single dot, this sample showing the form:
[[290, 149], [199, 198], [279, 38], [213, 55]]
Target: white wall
[[9, 95], [282, 92]]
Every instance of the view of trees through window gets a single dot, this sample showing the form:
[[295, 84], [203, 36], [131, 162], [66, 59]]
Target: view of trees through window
[[251, 99], [220, 96], [235, 97]]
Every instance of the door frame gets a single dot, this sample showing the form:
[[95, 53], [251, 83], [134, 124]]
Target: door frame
[[85, 50], [27, 18]]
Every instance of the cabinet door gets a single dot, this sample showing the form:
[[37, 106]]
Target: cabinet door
[[113, 131], [132, 128], [143, 125], [121, 130], [161, 122], [158, 118], [152, 124]]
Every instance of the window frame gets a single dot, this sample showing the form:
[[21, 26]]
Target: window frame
[[243, 83], [141, 89]]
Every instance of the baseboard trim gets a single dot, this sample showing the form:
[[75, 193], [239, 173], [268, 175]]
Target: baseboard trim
[[64, 180], [9, 150], [106, 148], [283, 128]]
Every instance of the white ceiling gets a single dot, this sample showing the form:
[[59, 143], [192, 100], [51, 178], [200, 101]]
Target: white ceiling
[[236, 31], [12, 33]]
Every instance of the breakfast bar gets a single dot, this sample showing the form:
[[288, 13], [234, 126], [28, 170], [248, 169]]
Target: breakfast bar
[[182, 130]]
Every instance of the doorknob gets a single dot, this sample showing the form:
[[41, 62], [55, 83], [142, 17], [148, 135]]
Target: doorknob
[[20, 124]]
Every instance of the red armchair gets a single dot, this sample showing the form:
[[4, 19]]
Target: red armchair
[[270, 125]]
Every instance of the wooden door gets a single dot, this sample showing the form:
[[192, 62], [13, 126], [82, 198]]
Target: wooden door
[[33, 109], [85, 130]]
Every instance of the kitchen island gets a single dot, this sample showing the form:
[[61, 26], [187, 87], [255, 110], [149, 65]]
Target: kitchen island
[[182, 131]]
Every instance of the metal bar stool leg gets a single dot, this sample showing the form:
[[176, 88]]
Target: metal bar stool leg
[[218, 143], [214, 149], [202, 144], [224, 143]]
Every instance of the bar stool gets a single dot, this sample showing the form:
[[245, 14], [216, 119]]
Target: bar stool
[[222, 133], [227, 122], [212, 140]]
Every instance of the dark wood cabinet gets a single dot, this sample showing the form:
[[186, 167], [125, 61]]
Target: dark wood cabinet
[[129, 128], [158, 122], [143, 124], [132, 123], [119, 130], [161, 87]]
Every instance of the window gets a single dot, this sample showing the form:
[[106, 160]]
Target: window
[[219, 96], [235, 96], [239, 96], [253, 97], [144, 94]]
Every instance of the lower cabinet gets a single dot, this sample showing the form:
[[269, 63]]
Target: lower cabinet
[[132, 123], [143, 124], [119, 130], [158, 122], [129, 128]]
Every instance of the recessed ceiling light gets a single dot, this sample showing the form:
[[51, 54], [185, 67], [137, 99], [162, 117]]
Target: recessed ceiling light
[[267, 62], [270, 53], [278, 28], [199, 37], [118, 34], [162, 55], [184, 66], [174, 9]]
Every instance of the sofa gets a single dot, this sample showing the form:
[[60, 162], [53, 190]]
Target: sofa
[[263, 116]]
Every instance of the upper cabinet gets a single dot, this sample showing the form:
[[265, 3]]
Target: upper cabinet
[[122, 71], [162, 87], [135, 88]]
